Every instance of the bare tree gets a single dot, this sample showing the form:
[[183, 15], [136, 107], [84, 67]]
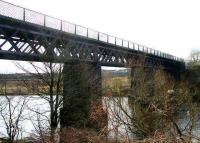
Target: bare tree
[[154, 105], [47, 85], [39, 119], [195, 56], [12, 115]]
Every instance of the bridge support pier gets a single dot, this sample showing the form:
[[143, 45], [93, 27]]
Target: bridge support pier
[[142, 81], [81, 84]]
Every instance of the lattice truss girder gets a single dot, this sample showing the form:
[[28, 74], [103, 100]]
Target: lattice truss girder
[[57, 48], [61, 49]]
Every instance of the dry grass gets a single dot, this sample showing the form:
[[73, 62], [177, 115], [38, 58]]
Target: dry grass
[[72, 135], [116, 82], [20, 88], [116, 86]]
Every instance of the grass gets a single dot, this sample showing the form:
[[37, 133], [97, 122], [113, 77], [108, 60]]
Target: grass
[[113, 84]]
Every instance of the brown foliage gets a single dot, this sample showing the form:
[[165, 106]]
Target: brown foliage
[[98, 116], [72, 135], [159, 137]]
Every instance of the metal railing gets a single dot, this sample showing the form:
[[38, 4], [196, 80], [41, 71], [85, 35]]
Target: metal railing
[[30, 16]]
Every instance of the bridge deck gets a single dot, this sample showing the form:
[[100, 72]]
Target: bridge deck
[[32, 36]]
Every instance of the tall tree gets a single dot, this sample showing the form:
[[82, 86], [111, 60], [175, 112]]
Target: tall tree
[[155, 105], [48, 78], [192, 74], [195, 56]]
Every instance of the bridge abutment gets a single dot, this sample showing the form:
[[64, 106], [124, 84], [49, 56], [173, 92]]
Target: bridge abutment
[[81, 85]]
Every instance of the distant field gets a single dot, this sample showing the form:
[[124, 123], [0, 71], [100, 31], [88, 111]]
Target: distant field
[[19, 87], [116, 82], [112, 81], [12, 87], [116, 86]]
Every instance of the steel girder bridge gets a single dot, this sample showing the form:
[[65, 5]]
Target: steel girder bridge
[[31, 36], [27, 35]]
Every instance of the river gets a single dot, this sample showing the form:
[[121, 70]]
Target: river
[[35, 104]]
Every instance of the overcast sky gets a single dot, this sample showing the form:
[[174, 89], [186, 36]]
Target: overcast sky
[[172, 26]]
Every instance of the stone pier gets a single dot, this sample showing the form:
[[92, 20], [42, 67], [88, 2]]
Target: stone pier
[[81, 84], [142, 80]]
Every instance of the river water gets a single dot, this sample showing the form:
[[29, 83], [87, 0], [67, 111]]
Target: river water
[[118, 115]]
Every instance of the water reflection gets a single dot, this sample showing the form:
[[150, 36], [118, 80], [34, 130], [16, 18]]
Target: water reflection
[[37, 111]]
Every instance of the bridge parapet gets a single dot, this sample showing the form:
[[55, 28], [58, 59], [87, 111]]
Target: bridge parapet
[[29, 16]]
